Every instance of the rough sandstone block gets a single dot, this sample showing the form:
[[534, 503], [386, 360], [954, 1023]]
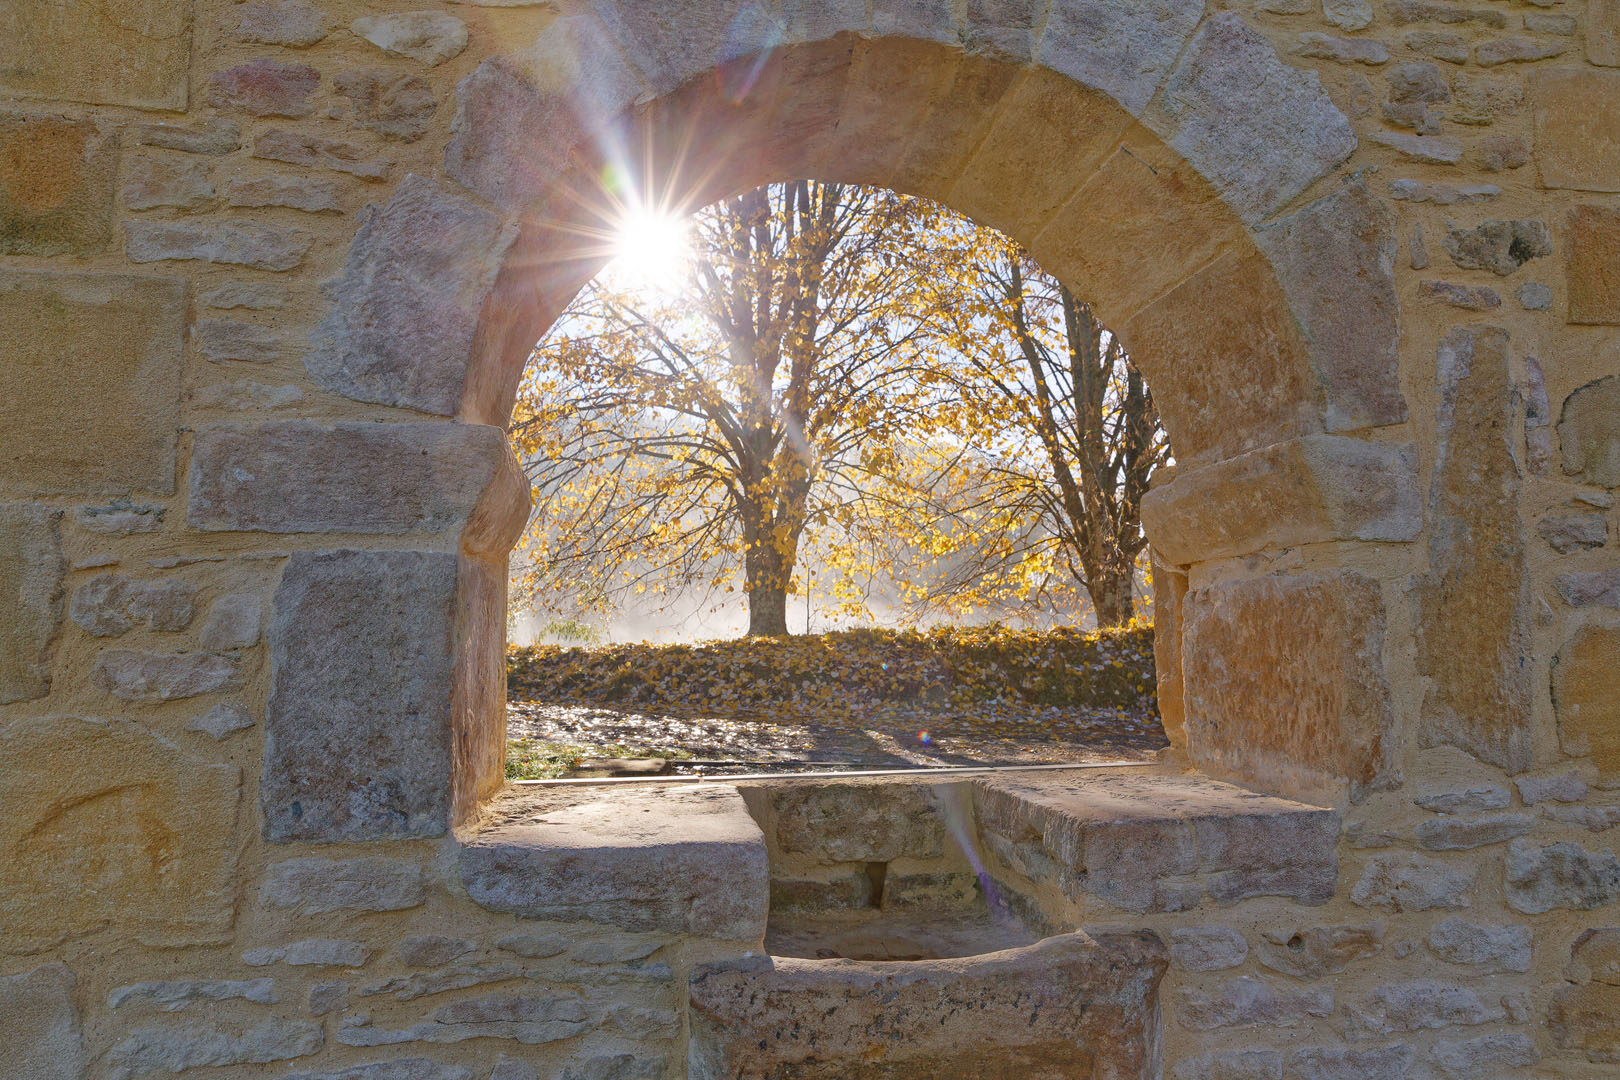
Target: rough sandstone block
[[31, 571], [1473, 604], [1319, 951], [64, 54], [111, 827], [1285, 682], [130, 675], [323, 886], [858, 822], [406, 308], [56, 186], [1307, 490], [1409, 882], [291, 476], [1592, 245], [265, 87], [63, 332], [1585, 699], [674, 861], [1124, 50], [44, 1040], [1261, 130], [1546, 877], [784, 1019], [358, 734], [1577, 115], [431, 37], [1603, 32], [262, 247], [111, 604]]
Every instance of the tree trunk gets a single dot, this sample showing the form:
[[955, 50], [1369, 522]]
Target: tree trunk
[[767, 611], [1111, 597]]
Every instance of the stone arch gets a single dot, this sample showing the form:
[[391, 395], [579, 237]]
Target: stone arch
[[1171, 167]]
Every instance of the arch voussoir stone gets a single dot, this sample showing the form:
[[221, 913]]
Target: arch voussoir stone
[[1124, 50]]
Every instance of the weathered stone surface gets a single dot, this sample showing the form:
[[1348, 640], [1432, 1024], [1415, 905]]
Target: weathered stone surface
[[290, 476], [1473, 604], [394, 106], [358, 730], [64, 55], [214, 136], [118, 518], [262, 247], [44, 1040], [399, 1069], [858, 822], [1246, 1000], [1492, 948], [1343, 50], [31, 572], [1207, 948], [1595, 957], [458, 977], [1452, 48], [1589, 432], [1285, 681], [82, 827], [405, 310], [1562, 788], [243, 396], [1515, 50], [111, 604], [1482, 797], [1587, 1019], [1593, 242], [328, 997], [222, 340], [300, 148], [1574, 532], [1481, 101], [265, 87], [154, 182], [61, 332], [1336, 261], [1590, 588], [152, 1050], [533, 946], [232, 623], [1462, 834], [1498, 246], [294, 192], [1419, 1005], [1467, 297], [1320, 487], [1127, 839], [173, 995], [803, 1018], [311, 952], [692, 862], [1402, 882], [1584, 698], [1591, 818], [531, 1020], [254, 295], [1230, 1065], [1351, 1063], [1542, 878], [131, 675], [432, 950], [1261, 130], [321, 886], [292, 23], [1320, 950], [1577, 128], [1122, 50], [1503, 152], [1431, 149], [1468, 1058], [1408, 190], [222, 721], [429, 36]]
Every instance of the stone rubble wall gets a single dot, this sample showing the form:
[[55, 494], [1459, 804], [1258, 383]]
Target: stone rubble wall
[[269, 269]]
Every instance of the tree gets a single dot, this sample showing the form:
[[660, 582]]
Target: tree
[[1070, 432], [677, 439]]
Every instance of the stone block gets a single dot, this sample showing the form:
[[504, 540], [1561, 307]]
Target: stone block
[[222, 721], [1463, 834], [1473, 604], [1590, 588], [44, 1039], [531, 1019], [301, 148], [1542, 878], [398, 107], [56, 185], [1458, 800], [1262, 131], [1124, 50], [1318, 951], [1589, 430], [431, 37], [1351, 1063], [262, 247], [61, 51], [432, 950], [62, 332], [323, 886], [1304, 491], [1244, 325], [406, 308], [151, 183], [1586, 1019], [1404, 882], [130, 675], [113, 828], [358, 735], [1335, 260], [292, 476], [675, 861], [111, 604], [1603, 32], [1245, 1001], [1207, 948], [224, 340], [1487, 948], [858, 822], [806, 1018], [1566, 533], [413, 1068], [1285, 682], [214, 137], [1254, 1064], [1584, 697], [265, 87], [173, 995], [295, 192], [310, 952], [1418, 1005], [160, 1049], [1577, 117], [292, 23], [31, 571], [232, 623], [1498, 246], [1465, 1059]]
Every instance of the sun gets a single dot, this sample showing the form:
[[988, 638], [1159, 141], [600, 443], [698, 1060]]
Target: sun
[[650, 248]]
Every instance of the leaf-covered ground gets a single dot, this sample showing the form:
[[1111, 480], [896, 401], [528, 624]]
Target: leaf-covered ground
[[860, 698]]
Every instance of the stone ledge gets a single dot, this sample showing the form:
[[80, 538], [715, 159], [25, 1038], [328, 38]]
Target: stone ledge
[[682, 861]]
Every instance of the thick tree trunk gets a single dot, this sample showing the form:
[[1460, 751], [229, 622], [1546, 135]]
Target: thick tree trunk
[[767, 611], [1111, 597]]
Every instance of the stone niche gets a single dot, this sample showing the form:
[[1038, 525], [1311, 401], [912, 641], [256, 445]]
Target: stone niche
[[90, 387], [108, 52]]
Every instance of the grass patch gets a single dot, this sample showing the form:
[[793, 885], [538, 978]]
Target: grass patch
[[533, 759]]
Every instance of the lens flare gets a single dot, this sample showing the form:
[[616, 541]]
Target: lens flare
[[650, 249]]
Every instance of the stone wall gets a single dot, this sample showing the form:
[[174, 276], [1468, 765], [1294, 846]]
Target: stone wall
[[268, 273]]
